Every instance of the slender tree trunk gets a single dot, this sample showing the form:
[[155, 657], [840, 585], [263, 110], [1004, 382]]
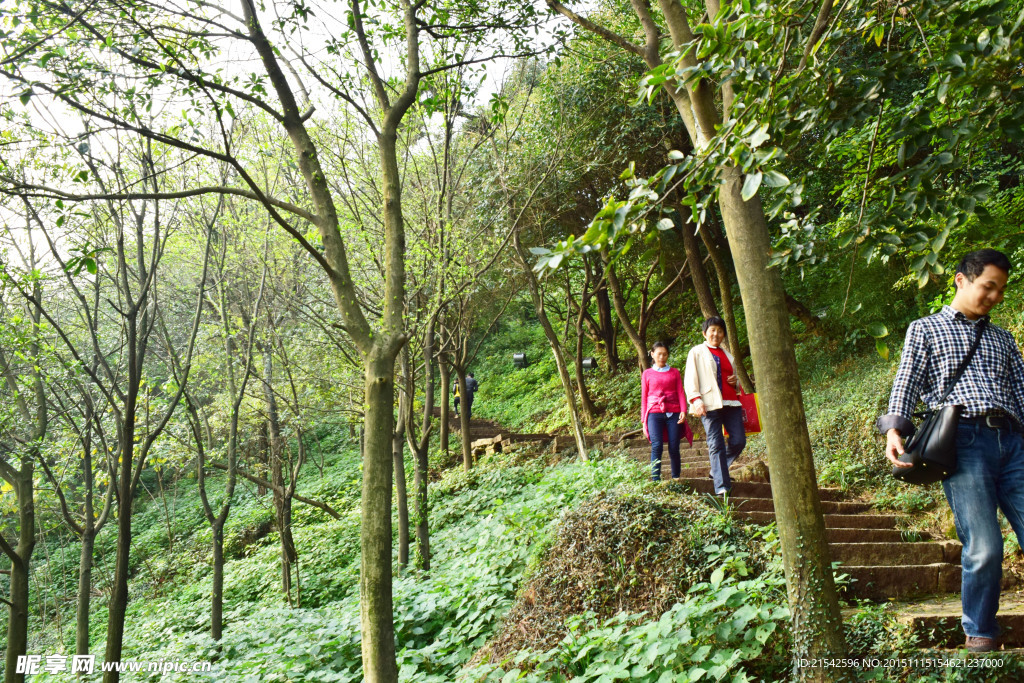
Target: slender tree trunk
[[698, 274], [17, 620], [722, 271], [556, 349], [217, 594], [282, 501], [375, 601], [125, 493], [618, 301], [467, 451], [589, 409], [446, 427], [84, 588], [422, 508], [605, 319], [401, 498]]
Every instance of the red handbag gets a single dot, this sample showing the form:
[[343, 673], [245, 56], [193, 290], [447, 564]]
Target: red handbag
[[751, 413]]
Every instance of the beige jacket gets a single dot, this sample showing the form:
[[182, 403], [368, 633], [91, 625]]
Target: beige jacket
[[701, 377]]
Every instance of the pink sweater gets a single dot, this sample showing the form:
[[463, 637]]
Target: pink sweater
[[662, 392]]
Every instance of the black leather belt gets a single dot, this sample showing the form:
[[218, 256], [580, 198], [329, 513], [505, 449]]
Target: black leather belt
[[994, 421]]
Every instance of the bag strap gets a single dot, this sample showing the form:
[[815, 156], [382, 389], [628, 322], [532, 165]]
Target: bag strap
[[981, 324]]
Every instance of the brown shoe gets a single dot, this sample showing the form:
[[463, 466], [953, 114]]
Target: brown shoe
[[980, 644]]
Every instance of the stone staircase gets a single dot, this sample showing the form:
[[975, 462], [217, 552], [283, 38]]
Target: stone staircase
[[919, 575], [881, 561]]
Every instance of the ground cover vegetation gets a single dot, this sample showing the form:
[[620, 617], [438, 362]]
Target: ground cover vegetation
[[248, 251]]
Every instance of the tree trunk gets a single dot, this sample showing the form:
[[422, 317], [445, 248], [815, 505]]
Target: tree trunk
[[17, 621], [812, 595], [125, 494], [217, 594], [467, 451], [422, 508], [556, 349], [282, 501], [605, 320], [375, 602], [639, 344], [401, 499], [589, 409], [84, 588], [722, 271], [446, 401], [698, 274]]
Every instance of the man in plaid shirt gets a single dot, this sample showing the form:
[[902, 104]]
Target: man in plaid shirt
[[990, 447]]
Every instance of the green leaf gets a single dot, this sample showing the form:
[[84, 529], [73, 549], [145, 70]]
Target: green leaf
[[983, 39], [877, 330], [665, 224], [882, 348], [775, 179], [751, 185], [676, 155], [25, 97]]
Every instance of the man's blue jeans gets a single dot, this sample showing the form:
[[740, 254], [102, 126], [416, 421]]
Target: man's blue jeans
[[990, 473], [723, 453], [657, 424]]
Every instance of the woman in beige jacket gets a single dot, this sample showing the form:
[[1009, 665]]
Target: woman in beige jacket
[[710, 385]]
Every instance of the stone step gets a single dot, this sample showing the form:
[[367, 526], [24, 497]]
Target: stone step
[[856, 535], [896, 552], [936, 621], [903, 581], [752, 489], [683, 452], [831, 521], [828, 507]]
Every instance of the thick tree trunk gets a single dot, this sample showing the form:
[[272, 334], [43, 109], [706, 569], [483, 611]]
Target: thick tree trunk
[[722, 271], [84, 588], [618, 301], [17, 620], [812, 594], [375, 601]]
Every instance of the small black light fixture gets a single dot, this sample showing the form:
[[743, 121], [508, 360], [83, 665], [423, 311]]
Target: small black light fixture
[[519, 360], [590, 363]]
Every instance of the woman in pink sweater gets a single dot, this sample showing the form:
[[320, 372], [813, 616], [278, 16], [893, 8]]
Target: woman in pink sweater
[[663, 410]]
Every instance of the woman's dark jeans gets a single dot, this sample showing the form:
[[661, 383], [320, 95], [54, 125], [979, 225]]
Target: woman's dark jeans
[[723, 453], [657, 423]]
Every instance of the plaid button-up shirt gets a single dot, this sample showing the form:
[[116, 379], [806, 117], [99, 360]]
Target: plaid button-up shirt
[[935, 347]]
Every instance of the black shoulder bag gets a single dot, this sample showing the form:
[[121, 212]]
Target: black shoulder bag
[[932, 448]]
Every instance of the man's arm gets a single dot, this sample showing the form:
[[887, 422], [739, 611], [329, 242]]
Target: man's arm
[[906, 390], [1017, 377]]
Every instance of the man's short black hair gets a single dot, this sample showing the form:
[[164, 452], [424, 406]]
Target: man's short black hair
[[713, 320], [973, 264]]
